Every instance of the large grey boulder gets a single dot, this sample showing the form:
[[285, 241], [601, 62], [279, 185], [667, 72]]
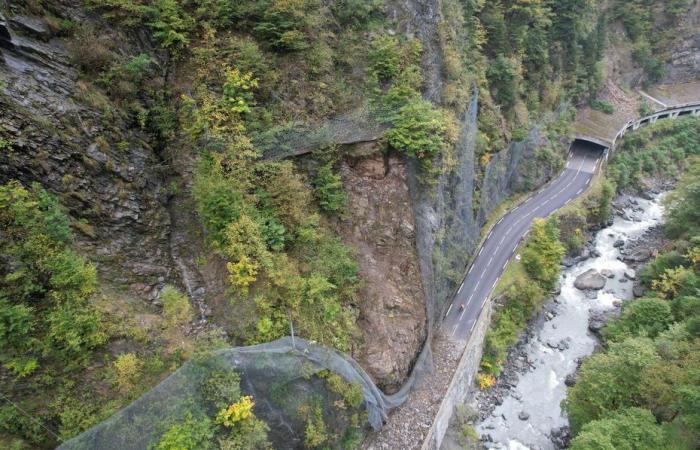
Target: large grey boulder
[[639, 255], [590, 280]]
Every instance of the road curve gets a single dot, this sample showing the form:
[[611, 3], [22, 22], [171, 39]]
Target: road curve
[[504, 237]]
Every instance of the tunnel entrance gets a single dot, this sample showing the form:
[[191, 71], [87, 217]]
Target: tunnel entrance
[[589, 146]]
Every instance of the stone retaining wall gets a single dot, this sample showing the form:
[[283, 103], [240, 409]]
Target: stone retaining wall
[[460, 386]]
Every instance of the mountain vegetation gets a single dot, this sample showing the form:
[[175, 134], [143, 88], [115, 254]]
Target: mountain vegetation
[[214, 88], [642, 390]]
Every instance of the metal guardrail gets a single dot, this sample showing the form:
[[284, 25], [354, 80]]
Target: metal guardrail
[[672, 112], [666, 113]]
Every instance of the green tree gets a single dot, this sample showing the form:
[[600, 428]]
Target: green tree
[[543, 252], [643, 317], [683, 204], [45, 288], [329, 190], [626, 429], [419, 130], [608, 381]]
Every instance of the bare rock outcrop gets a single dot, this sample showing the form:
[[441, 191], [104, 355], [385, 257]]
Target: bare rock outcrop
[[379, 225]]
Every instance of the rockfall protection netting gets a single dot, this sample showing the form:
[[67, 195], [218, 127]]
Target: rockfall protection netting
[[362, 124], [279, 376]]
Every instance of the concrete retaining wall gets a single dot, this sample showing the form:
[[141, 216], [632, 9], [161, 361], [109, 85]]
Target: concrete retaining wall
[[461, 383]]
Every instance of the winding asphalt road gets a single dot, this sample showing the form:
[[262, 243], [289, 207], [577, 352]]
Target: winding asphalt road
[[504, 237]]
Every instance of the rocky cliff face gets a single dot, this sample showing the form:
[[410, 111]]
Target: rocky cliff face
[[79, 147], [391, 300], [684, 63], [413, 239]]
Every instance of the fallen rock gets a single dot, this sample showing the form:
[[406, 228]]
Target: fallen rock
[[619, 243], [638, 290], [639, 255], [522, 415], [630, 274], [590, 280]]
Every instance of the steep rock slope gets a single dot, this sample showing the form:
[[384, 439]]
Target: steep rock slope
[[76, 145], [378, 224]]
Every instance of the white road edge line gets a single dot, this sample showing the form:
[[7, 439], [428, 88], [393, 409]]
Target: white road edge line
[[449, 309], [481, 250], [460, 287]]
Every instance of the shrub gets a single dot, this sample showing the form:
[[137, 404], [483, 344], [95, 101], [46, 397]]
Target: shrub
[[190, 433], [543, 252], [221, 387], [90, 53], [329, 190], [385, 57], [282, 24], [419, 130], [236, 412], [603, 106], [127, 368], [176, 307]]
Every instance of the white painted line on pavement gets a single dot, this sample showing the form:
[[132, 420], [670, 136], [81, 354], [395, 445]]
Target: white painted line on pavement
[[470, 269], [494, 284], [504, 265], [472, 328], [501, 220], [460, 287], [454, 329], [588, 182], [489, 236], [449, 309], [482, 249], [579, 191], [567, 202]]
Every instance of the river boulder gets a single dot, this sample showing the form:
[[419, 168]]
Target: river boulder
[[607, 273], [639, 255], [590, 280]]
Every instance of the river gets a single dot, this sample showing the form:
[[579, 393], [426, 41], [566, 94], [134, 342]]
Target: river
[[531, 409]]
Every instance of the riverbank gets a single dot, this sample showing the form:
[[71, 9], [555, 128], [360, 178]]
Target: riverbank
[[523, 406]]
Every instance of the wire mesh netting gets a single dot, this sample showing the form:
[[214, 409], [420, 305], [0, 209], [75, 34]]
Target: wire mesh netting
[[280, 377], [364, 123]]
